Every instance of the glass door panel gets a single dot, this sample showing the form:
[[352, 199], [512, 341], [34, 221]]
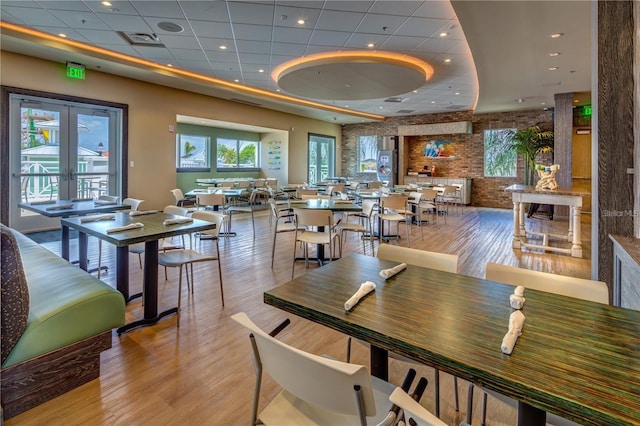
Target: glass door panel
[[321, 157]]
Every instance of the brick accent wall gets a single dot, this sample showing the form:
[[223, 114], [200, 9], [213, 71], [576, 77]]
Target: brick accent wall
[[469, 149]]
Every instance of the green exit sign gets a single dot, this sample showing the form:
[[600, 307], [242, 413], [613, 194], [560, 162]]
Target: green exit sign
[[586, 110], [76, 70]]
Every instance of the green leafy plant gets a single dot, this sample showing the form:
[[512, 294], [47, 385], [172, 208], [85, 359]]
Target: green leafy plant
[[530, 142]]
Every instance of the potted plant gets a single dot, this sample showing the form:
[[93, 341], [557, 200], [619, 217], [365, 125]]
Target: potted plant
[[530, 142]]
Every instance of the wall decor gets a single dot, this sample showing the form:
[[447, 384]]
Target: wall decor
[[273, 155], [439, 149]]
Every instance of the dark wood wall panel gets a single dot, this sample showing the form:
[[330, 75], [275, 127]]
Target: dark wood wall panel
[[615, 127], [562, 144]]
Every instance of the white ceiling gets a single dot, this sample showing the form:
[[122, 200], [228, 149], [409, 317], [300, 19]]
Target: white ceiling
[[498, 50]]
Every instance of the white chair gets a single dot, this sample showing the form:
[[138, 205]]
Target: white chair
[[134, 248], [580, 288], [187, 257], [284, 222], [180, 199], [364, 227], [425, 259], [112, 199], [315, 390], [306, 220], [413, 410], [249, 208], [395, 209]]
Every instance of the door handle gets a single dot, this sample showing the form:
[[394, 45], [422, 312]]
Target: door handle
[[72, 175]]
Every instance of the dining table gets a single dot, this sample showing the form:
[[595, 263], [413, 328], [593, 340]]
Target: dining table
[[574, 358], [70, 208], [151, 228]]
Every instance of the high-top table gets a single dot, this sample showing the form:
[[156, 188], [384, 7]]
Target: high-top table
[[153, 230], [577, 359], [69, 208], [571, 197]]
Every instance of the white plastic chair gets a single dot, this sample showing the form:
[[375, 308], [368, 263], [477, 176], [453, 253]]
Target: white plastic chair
[[580, 288], [316, 390], [187, 257], [249, 208], [425, 259], [179, 198], [308, 218], [413, 410], [395, 209], [364, 227], [284, 222]]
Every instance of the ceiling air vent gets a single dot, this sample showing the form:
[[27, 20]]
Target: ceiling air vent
[[242, 101], [141, 39], [395, 100], [406, 111]]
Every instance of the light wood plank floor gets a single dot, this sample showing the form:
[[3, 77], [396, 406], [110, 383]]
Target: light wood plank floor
[[201, 373]]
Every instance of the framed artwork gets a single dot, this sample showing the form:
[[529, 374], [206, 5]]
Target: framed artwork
[[439, 149]]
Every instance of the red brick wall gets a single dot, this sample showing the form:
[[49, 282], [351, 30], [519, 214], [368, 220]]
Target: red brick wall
[[469, 161]]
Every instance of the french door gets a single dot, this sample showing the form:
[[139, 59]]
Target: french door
[[60, 151], [321, 158]]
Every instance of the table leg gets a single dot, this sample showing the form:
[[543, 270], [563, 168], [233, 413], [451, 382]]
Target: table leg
[[516, 225], [523, 232], [379, 362], [83, 244], [150, 283], [122, 271], [65, 242], [576, 247], [530, 416]]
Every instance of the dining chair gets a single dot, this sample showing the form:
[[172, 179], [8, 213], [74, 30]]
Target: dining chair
[[375, 185], [363, 227], [249, 208], [414, 201], [206, 201], [395, 209], [424, 259], [429, 203], [306, 220], [283, 220], [184, 259], [180, 199], [112, 199], [579, 288], [315, 389], [414, 413]]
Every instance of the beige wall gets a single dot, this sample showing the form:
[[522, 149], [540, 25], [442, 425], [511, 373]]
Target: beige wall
[[152, 109]]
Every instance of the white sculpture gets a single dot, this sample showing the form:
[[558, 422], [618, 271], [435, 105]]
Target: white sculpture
[[547, 177]]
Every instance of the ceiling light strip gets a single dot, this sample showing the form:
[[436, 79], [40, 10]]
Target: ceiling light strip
[[130, 59]]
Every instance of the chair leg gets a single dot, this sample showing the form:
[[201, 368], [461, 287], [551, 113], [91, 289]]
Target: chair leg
[[483, 417], [273, 246], [455, 393], [220, 274], [470, 403], [349, 349], [436, 390], [179, 294]]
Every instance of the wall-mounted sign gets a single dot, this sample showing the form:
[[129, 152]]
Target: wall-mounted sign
[[77, 71]]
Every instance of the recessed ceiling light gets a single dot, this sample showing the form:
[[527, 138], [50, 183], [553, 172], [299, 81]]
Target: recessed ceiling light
[[554, 68], [371, 45], [379, 107], [554, 54], [277, 90], [457, 93], [576, 100], [433, 102], [63, 35], [446, 61], [260, 70], [443, 34], [106, 3], [236, 80], [301, 22], [519, 100], [415, 91], [543, 103], [170, 65], [556, 35], [347, 85], [222, 47]]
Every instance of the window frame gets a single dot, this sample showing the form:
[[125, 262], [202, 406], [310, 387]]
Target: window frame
[[238, 142], [179, 149]]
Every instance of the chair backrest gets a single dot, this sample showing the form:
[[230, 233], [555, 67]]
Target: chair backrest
[[318, 380], [311, 217], [415, 196], [300, 192], [210, 217], [244, 184], [227, 184], [580, 288], [175, 210], [208, 199], [413, 410], [426, 259], [429, 194], [374, 185], [367, 207], [259, 183], [177, 195], [396, 203], [450, 190], [134, 203]]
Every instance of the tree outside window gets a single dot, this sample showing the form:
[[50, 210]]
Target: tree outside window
[[500, 158], [234, 154], [367, 154], [192, 153]]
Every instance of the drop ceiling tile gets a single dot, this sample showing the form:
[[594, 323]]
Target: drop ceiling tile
[[206, 10], [153, 23], [401, 43], [339, 21], [253, 46], [222, 56], [252, 32], [158, 9], [120, 8], [288, 49], [178, 42], [251, 13], [187, 55], [285, 35], [102, 37], [34, 17], [348, 6], [80, 19], [329, 38], [126, 23], [360, 40], [380, 24], [420, 27], [253, 59], [156, 54], [225, 66], [213, 44], [396, 7], [292, 15]]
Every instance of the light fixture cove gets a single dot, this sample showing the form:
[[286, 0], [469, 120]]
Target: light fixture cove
[[352, 75]]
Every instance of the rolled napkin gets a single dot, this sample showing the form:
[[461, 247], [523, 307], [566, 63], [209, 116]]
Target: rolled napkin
[[128, 227], [140, 213], [365, 288], [97, 218], [516, 322], [60, 207], [519, 291], [517, 299], [177, 220], [388, 273]]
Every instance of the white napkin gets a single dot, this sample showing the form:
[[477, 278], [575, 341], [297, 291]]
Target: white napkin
[[128, 227], [365, 288], [177, 221], [104, 203], [140, 213], [517, 299], [388, 273], [97, 218], [516, 322], [60, 207]]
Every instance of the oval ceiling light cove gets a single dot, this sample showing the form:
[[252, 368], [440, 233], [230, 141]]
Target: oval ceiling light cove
[[352, 75]]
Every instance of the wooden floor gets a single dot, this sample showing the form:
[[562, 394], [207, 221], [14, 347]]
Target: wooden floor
[[201, 373]]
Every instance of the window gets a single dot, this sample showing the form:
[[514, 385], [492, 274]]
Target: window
[[192, 153], [367, 154], [235, 154], [321, 158], [500, 159]]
